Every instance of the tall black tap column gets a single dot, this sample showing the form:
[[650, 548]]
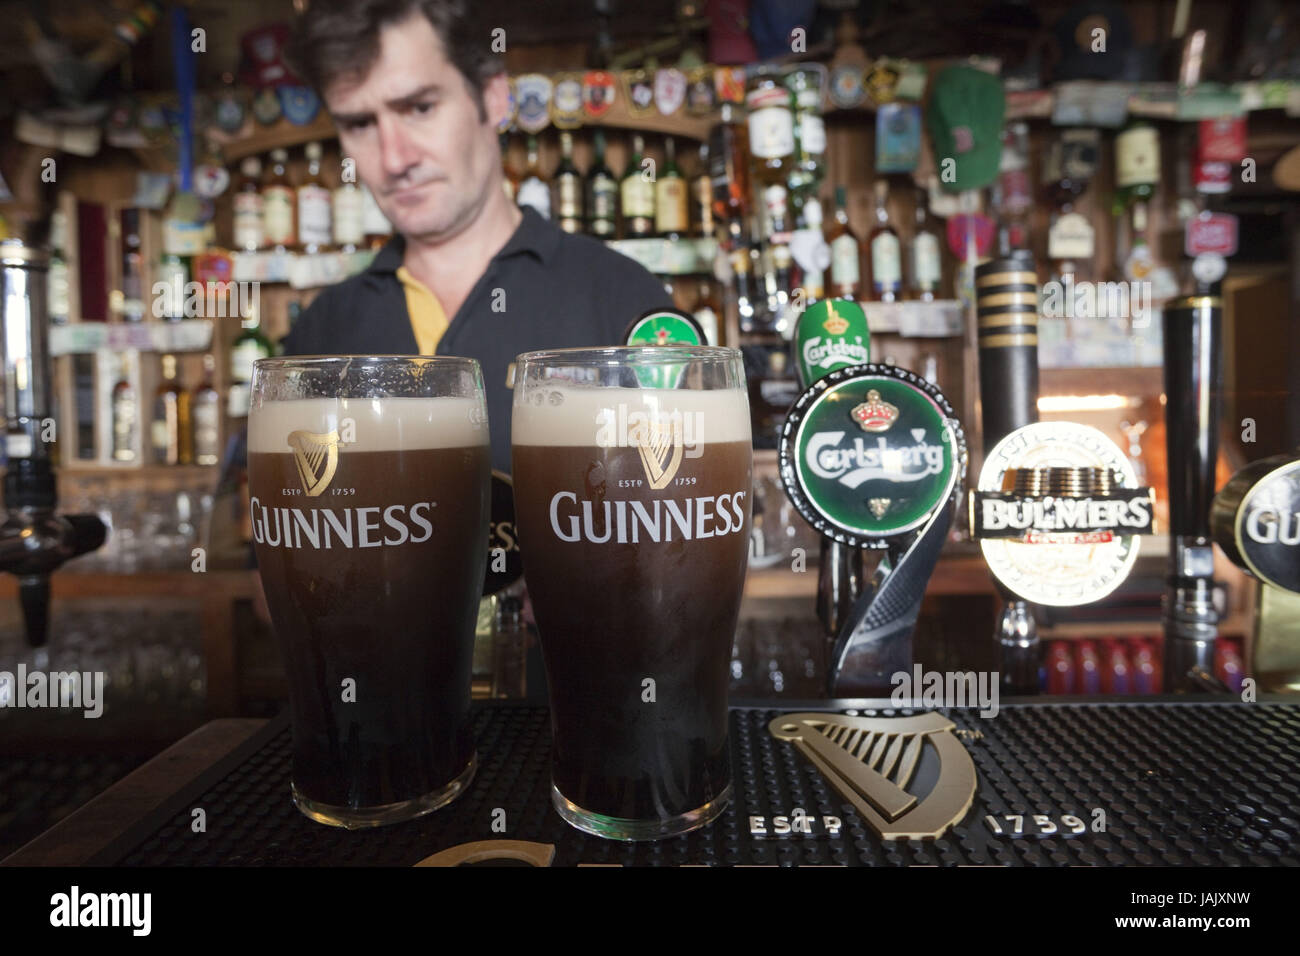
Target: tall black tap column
[[1193, 380]]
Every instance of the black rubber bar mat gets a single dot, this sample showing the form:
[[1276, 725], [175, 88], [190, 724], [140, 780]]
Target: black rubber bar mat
[[1165, 783]]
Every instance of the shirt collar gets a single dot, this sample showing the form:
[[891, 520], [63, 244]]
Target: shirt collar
[[534, 235]]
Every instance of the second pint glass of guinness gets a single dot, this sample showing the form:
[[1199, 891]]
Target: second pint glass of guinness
[[368, 486], [632, 472]]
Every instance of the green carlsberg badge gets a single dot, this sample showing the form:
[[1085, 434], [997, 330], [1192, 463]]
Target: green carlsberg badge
[[869, 453], [832, 334]]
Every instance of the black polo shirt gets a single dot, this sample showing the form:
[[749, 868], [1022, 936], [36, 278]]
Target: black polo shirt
[[545, 289]]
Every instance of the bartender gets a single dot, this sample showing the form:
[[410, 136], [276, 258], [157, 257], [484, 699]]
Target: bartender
[[417, 96]]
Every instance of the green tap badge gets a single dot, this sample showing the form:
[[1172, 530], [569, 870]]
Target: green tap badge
[[831, 334], [868, 453], [663, 327]]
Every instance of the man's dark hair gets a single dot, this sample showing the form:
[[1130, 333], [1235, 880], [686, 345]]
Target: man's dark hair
[[339, 38]]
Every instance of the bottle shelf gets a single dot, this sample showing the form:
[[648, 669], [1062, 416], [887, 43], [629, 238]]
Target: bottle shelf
[[670, 256], [299, 270], [189, 335]]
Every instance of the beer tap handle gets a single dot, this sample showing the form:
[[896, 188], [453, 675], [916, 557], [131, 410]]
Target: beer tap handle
[[1007, 309], [1193, 380]]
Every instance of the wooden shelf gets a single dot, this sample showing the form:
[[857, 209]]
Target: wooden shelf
[[283, 135], [1234, 625], [75, 469], [1139, 380]]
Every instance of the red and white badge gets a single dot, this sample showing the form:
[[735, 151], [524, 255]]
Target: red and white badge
[[598, 91], [1211, 233], [670, 90]]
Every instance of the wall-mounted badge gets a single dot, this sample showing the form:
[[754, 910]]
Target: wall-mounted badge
[[230, 110], [729, 83], [300, 103], [670, 90], [898, 137], [534, 92], [701, 97], [566, 105], [210, 180], [846, 89], [909, 778], [881, 81], [639, 88], [1211, 232], [512, 108], [598, 90], [266, 107]]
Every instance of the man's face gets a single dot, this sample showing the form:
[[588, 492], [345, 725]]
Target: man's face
[[413, 126]]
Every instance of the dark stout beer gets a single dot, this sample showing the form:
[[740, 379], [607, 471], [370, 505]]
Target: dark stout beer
[[372, 553], [634, 534]]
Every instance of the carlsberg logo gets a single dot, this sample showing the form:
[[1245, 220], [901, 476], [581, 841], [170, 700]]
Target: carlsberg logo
[[833, 352], [862, 460]]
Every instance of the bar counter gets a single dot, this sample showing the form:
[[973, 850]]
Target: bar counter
[[1193, 781]]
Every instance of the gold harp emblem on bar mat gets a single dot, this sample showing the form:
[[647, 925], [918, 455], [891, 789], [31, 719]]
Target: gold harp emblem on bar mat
[[873, 762], [317, 457]]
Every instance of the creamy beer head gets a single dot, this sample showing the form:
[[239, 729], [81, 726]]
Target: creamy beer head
[[576, 416], [370, 424]]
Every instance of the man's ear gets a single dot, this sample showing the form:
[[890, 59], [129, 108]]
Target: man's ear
[[496, 99]]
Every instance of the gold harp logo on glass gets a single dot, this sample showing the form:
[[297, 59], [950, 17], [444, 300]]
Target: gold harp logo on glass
[[661, 452], [317, 457]]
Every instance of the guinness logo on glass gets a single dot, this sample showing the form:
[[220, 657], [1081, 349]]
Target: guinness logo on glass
[[875, 415], [908, 777], [661, 451], [317, 457]]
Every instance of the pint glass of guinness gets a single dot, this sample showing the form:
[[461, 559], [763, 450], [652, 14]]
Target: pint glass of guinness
[[632, 470], [368, 486]]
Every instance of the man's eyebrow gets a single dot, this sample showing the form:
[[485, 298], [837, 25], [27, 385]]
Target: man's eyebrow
[[400, 102]]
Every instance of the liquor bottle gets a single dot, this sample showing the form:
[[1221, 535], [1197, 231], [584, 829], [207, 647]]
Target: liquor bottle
[[846, 251], [1013, 196], [886, 257], [533, 188], [171, 419], [133, 266], [249, 224], [771, 126], [729, 170], [56, 282], [348, 208], [568, 188], [926, 265], [126, 414], [206, 412], [708, 312], [1070, 166], [1137, 162], [742, 272], [809, 130], [778, 263], [602, 194], [811, 247], [637, 195], [702, 197], [278, 206], [174, 273], [671, 206], [250, 346], [378, 230], [314, 231], [770, 398]]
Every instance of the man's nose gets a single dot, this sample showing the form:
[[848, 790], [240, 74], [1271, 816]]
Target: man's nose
[[396, 151]]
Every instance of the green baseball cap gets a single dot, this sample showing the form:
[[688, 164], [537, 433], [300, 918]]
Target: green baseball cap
[[965, 120]]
